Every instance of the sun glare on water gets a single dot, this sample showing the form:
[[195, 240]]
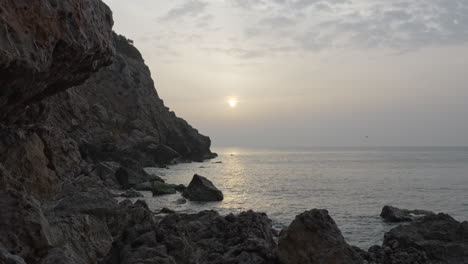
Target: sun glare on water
[[232, 102]]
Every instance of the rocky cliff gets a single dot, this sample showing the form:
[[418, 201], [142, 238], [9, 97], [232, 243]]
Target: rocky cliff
[[117, 113], [61, 150], [48, 46]]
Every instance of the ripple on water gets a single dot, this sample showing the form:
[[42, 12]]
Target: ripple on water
[[352, 185]]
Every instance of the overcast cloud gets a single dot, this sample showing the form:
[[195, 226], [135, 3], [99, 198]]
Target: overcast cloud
[[391, 68]]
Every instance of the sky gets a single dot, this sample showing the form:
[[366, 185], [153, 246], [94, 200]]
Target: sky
[[308, 72]]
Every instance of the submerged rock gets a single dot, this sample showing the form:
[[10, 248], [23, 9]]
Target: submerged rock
[[131, 193], [393, 214], [163, 188], [314, 238], [202, 189]]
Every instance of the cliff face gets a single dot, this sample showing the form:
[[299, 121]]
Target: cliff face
[[59, 148], [48, 46], [118, 112]]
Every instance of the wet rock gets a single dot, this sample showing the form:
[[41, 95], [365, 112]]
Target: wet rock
[[393, 214], [202, 189], [49, 46], [166, 210], [131, 193], [144, 186], [163, 188], [313, 237], [434, 238], [181, 201], [180, 188]]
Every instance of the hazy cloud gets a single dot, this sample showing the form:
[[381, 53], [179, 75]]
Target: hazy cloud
[[188, 8]]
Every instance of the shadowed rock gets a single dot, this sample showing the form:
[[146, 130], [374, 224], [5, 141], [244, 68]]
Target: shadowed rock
[[131, 193], [440, 238], [48, 46], [159, 188], [314, 238], [393, 214], [202, 189]]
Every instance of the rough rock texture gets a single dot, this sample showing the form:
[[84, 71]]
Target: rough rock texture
[[49, 46], [131, 193], [205, 237], [314, 238], [117, 114], [393, 214], [439, 237], [202, 189]]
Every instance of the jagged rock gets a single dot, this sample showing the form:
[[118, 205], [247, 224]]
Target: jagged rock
[[205, 237], [202, 189], [393, 214], [159, 188], [23, 154], [313, 237], [49, 46], [24, 230], [438, 238], [117, 114], [131, 193], [106, 172]]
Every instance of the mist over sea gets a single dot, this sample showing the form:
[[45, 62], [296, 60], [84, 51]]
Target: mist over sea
[[352, 183]]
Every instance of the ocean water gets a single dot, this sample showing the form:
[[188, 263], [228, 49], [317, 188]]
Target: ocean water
[[353, 184]]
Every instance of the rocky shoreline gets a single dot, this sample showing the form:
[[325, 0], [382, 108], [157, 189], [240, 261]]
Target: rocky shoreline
[[79, 116]]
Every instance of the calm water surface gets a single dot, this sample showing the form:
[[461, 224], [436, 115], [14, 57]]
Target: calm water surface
[[353, 184]]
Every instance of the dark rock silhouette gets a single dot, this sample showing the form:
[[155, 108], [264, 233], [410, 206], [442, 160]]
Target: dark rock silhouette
[[439, 237], [205, 237], [393, 214], [314, 238], [202, 189]]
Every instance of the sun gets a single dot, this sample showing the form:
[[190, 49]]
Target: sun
[[232, 102]]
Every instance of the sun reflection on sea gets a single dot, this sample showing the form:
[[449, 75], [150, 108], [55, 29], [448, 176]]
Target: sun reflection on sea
[[235, 182]]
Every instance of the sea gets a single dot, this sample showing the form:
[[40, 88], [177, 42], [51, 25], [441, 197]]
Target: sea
[[353, 184]]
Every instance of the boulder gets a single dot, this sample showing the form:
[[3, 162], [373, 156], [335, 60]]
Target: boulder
[[202, 189], [314, 238], [393, 214], [163, 188], [131, 193], [436, 238]]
